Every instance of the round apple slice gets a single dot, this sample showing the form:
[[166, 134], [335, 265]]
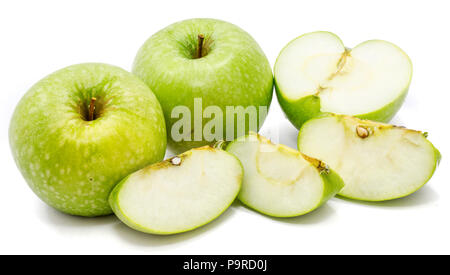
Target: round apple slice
[[316, 73], [280, 181], [377, 161], [179, 194]]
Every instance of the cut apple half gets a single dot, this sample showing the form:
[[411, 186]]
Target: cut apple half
[[179, 194], [377, 161], [280, 181], [316, 73]]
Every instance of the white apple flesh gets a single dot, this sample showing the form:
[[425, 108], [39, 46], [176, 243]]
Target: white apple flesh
[[377, 161], [280, 181], [179, 194], [316, 74]]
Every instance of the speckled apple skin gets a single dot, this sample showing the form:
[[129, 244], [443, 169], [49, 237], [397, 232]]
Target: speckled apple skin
[[72, 164], [235, 72]]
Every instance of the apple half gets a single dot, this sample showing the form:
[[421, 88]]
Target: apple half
[[178, 194], [377, 161], [280, 181], [315, 73]]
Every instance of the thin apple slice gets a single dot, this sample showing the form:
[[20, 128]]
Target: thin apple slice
[[179, 194], [377, 161], [280, 181], [316, 73]]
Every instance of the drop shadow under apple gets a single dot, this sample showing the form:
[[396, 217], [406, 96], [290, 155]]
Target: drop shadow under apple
[[148, 240], [289, 136], [424, 196], [59, 219], [317, 216]]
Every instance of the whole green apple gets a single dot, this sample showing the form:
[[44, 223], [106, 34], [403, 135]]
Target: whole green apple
[[207, 66], [79, 131]]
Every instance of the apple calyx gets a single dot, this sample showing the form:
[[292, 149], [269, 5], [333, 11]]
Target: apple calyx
[[92, 109], [201, 38]]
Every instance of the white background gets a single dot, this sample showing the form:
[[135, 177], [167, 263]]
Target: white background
[[39, 37]]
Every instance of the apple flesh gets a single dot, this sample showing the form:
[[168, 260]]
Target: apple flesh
[[179, 194], [377, 161], [316, 74], [280, 181], [226, 67], [79, 131]]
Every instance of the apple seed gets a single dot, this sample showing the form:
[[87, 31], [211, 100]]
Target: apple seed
[[176, 161], [362, 131]]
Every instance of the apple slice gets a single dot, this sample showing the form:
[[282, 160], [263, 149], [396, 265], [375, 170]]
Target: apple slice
[[179, 194], [377, 161], [316, 74], [280, 181]]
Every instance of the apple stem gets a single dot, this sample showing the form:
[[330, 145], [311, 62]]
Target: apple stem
[[201, 37], [92, 108]]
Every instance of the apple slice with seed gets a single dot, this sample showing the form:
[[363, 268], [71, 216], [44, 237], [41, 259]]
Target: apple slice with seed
[[377, 161], [179, 194], [316, 74], [280, 181]]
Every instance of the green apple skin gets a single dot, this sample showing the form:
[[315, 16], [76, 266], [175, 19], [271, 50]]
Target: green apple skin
[[301, 110], [234, 71], [71, 163], [115, 202], [437, 157], [332, 183], [308, 107]]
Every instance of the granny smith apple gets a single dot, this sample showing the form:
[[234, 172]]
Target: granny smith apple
[[280, 181], [211, 60], [76, 133], [179, 194], [377, 161], [315, 73]]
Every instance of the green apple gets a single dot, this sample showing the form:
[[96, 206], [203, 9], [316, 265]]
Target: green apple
[[179, 194], [315, 73], [79, 131], [280, 181], [377, 161], [211, 60]]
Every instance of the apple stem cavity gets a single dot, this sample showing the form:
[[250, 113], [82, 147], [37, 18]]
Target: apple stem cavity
[[92, 109], [201, 38]]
